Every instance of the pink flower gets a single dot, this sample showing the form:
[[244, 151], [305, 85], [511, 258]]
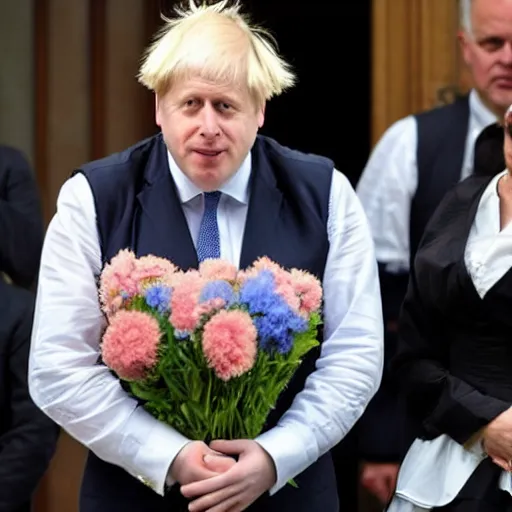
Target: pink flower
[[263, 263], [287, 292], [171, 280], [118, 280], [243, 275], [213, 269], [283, 280], [150, 268], [286, 288], [229, 343], [185, 312], [308, 289], [208, 307], [130, 344]]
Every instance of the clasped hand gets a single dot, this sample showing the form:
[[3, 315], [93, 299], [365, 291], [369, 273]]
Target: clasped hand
[[497, 440], [216, 483]]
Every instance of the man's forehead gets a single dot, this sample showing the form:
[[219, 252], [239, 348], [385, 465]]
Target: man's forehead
[[198, 85], [492, 15]]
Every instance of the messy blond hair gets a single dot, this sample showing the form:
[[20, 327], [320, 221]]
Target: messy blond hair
[[218, 43]]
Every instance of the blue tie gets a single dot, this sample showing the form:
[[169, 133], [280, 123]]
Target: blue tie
[[208, 241]]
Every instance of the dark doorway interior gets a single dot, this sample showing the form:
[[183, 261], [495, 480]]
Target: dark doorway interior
[[328, 44]]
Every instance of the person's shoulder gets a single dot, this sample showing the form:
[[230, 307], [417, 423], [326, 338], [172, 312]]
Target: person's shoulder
[[11, 151], [120, 158], [469, 188], [457, 202], [397, 132], [14, 158], [275, 148], [458, 107]]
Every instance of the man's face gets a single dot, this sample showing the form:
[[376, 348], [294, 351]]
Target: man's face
[[209, 128], [508, 139], [488, 52]]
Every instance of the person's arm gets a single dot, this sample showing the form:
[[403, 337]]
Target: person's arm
[[65, 380], [349, 369], [21, 223], [28, 446], [386, 188]]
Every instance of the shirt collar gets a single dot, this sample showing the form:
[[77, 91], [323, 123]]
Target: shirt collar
[[481, 115], [489, 205], [236, 187]]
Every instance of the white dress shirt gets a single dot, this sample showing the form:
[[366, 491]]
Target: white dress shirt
[[88, 401], [433, 472], [389, 181]]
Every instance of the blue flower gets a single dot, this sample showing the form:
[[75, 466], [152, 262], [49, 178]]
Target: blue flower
[[275, 321], [181, 335], [277, 328], [258, 294], [159, 297], [218, 290]]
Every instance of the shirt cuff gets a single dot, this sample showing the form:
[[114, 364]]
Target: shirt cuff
[[291, 453], [153, 459]]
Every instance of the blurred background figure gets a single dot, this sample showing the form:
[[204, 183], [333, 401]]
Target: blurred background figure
[[27, 436], [21, 222]]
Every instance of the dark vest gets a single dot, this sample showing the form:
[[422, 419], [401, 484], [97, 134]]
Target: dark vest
[[137, 207], [441, 135]]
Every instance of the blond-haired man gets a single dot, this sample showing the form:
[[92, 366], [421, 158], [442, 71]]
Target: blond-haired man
[[212, 74]]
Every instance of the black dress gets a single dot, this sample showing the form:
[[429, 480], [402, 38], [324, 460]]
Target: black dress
[[454, 360]]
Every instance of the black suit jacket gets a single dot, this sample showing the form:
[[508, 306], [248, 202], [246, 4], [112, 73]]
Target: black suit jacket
[[27, 436], [21, 223]]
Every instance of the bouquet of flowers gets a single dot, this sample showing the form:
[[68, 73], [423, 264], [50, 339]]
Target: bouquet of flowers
[[207, 351]]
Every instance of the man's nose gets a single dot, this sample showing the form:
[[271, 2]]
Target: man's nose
[[209, 122], [506, 53]]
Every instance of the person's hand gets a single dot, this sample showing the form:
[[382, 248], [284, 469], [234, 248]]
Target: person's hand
[[497, 440], [197, 461], [380, 479], [237, 488]]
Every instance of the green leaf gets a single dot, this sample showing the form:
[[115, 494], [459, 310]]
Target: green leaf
[[293, 483]]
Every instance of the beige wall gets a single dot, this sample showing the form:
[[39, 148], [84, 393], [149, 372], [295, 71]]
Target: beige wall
[[415, 56], [17, 75], [124, 95], [68, 105]]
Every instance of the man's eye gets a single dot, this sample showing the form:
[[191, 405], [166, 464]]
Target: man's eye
[[492, 44]]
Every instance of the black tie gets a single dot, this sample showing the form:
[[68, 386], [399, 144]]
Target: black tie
[[489, 159]]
